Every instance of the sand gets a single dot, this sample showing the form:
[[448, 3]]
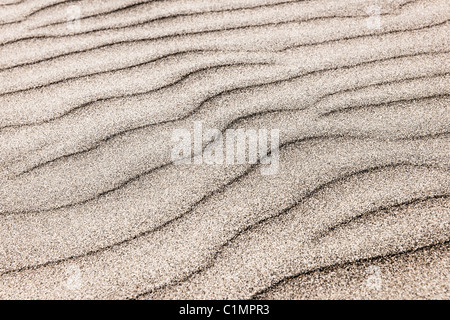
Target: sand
[[93, 207]]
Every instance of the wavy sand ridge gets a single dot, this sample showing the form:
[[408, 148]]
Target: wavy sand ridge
[[92, 206]]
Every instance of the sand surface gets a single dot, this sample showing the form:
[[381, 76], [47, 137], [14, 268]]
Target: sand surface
[[93, 207]]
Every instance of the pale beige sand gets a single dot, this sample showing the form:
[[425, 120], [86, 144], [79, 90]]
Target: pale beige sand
[[91, 205], [415, 275]]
